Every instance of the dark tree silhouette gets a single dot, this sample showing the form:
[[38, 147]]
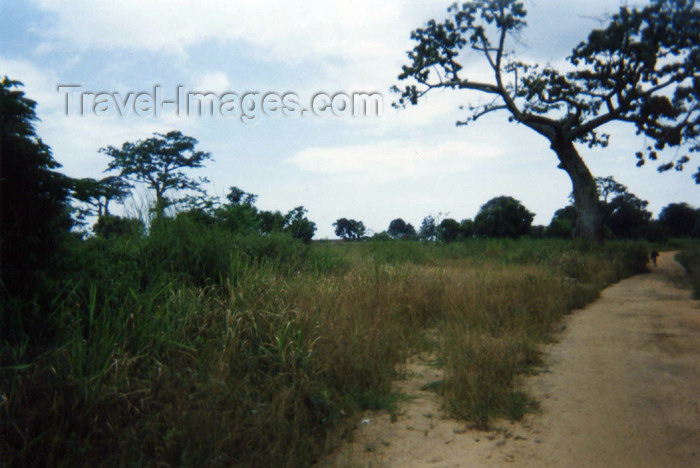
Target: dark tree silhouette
[[448, 230], [400, 229], [34, 198], [680, 218], [503, 217], [563, 223], [642, 68], [298, 225], [349, 229], [98, 193], [428, 228]]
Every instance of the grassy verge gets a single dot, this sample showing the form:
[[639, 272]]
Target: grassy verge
[[196, 347], [689, 257]]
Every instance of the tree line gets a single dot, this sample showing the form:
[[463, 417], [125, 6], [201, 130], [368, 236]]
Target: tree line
[[625, 216]]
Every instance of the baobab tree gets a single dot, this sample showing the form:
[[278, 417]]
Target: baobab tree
[[641, 69]]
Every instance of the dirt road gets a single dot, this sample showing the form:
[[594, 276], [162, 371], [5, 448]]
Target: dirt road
[[621, 389]]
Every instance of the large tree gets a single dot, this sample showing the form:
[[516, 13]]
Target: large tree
[[33, 198], [160, 162], [641, 68]]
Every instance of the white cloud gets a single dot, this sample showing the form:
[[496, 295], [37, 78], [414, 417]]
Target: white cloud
[[392, 160], [216, 82], [39, 84], [279, 30]]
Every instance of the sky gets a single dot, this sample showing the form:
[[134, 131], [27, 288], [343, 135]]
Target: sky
[[407, 163]]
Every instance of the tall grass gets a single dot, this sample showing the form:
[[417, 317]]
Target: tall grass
[[194, 346], [689, 257]]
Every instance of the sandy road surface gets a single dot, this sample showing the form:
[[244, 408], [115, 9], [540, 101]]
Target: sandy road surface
[[621, 389]]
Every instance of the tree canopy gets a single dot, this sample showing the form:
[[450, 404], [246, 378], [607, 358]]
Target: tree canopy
[[400, 229], [34, 216], [298, 225], [349, 229], [503, 217], [641, 68], [448, 230], [681, 219], [428, 228], [159, 162]]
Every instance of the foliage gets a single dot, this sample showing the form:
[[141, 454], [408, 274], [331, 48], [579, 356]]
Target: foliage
[[271, 221], [448, 230], [689, 257], [34, 217], [503, 217], [349, 229], [98, 193], [298, 225], [624, 214], [160, 162], [563, 223], [467, 228], [109, 225], [197, 346], [681, 219], [400, 229], [428, 229]]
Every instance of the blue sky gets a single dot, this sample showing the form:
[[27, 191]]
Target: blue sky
[[407, 164]]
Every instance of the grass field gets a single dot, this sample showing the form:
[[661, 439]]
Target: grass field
[[196, 347]]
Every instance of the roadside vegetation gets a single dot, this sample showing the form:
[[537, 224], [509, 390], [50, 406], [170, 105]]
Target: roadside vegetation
[[212, 333], [195, 346], [689, 257]]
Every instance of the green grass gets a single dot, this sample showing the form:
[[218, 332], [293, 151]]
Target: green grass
[[689, 257], [197, 347]]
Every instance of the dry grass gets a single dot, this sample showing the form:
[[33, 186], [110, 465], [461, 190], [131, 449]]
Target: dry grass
[[265, 358]]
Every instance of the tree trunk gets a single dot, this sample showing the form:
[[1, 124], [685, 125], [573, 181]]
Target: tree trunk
[[590, 220], [160, 204]]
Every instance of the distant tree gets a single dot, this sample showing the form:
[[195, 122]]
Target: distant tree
[[298, 225], [448, 230], [503, 217], [349, 229], [563, 223], [159, 162], [271, 221], [625, 215], [680, 218], [607, 187], [237, 196], [641, 68], [537, 231], [199, 208], [381, 236], [400, 229], [239, 214], [34, 198], [467, 229], [428, 228], [97, 194]]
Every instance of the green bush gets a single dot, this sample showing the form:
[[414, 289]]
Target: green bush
[[690, 259]]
